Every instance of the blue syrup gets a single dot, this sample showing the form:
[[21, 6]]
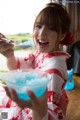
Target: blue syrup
[[33, 80], [25, 96]]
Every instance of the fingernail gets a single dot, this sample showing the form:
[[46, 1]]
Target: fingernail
[[28, 92]]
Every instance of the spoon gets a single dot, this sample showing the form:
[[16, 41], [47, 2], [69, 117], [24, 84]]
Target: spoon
[[19, 46]]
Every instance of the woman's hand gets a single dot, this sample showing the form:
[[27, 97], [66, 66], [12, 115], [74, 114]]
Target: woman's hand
[[38, 105], [6, 48]]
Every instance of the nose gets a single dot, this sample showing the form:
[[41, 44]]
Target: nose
[[43, 32]]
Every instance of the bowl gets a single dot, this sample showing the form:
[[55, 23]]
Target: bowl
[[23, 80]]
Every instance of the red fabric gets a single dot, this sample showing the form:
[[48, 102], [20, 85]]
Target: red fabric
[[55, 71], [18, 64], [8, 103], [68, 40]]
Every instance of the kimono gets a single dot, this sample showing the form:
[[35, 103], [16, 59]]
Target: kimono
[[55, 64]]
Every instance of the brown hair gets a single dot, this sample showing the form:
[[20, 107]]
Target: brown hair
[[56, 15]]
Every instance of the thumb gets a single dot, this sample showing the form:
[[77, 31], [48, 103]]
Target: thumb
[[34, 99]]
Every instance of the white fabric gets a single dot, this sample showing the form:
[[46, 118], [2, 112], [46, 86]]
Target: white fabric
[[55, 64]]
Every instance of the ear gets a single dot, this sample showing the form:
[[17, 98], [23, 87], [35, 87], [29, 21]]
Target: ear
[[62, 36]]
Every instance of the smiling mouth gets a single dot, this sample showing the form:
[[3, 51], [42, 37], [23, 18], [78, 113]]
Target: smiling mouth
[[43, 43]]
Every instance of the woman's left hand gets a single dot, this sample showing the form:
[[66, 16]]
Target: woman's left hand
[[38, 105]]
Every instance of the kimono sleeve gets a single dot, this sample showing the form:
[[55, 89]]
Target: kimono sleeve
[[26, 62]]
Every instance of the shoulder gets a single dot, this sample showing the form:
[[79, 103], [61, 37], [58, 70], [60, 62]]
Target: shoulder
[[57, 60], [57, 57]]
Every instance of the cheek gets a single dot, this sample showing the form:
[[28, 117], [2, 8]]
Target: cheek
[[53, 39], [53, 43], [35, 33]]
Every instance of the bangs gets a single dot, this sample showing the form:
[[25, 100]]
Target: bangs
[[50, 17]]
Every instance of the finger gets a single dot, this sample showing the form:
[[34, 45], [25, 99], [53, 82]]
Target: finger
[[34, 100], [12, 42], [7, 91], [2, 36], [24, 104], [2, 44], [10, 93], [6, 40], [20, 102], [8, 52], [5, 47], [45, 95], [14, 95]]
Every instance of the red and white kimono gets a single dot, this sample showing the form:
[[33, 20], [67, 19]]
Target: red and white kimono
[[55, 64]]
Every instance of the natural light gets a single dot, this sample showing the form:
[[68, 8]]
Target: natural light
[[17, 16]]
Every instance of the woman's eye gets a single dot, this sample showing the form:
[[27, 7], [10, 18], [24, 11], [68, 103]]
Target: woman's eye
[[38, 26], [52, 28]]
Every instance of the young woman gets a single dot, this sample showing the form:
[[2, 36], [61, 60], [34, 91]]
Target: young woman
[[50, 29]]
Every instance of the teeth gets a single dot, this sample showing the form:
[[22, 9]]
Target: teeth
[[42, 41]]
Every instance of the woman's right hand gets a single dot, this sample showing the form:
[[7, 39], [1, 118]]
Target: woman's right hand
[[6, 48]]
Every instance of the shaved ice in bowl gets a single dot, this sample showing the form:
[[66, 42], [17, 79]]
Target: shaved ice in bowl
[[23, 80]]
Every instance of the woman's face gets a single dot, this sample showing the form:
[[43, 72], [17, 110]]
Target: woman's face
[[45, 37]]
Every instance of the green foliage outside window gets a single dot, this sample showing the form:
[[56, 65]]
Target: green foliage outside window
[[20, 37]]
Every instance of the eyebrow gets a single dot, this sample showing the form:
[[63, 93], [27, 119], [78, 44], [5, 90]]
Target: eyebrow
[[38, 23]]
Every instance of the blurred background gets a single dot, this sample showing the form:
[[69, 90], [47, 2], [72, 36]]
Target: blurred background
[[16, 23]]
